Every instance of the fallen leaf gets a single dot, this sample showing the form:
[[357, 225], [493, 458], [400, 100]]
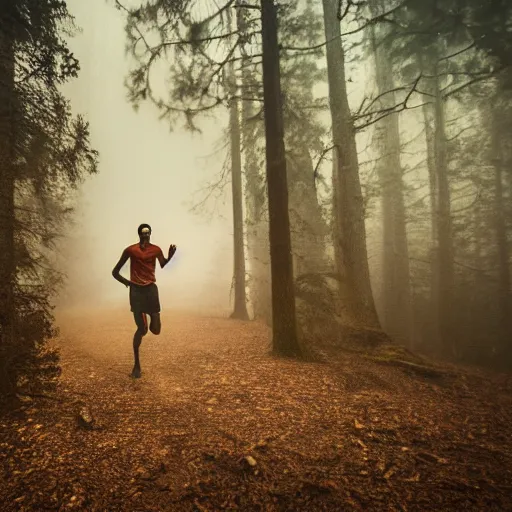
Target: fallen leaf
[[389, 473], [361, 444], [250, 460]]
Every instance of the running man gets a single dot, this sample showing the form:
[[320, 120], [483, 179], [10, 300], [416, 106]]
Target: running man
[[144, 298]]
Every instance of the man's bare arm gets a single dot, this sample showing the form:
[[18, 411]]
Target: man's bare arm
[[118, 267], [163, 261]]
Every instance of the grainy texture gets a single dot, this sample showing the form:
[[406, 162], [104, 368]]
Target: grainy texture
[[216, 423]]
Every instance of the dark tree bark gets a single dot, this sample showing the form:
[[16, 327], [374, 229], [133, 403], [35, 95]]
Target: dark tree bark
[[352, 255], [7, 178], [284, 326], [501, 228]]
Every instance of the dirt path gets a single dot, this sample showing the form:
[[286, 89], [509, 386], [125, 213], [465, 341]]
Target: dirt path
[[216, 423]]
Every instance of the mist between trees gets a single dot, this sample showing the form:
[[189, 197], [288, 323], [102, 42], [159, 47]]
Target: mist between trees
[[368, 157]]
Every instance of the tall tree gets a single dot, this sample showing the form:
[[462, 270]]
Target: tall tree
[[240, 306], [7, 113], [396, 295], [498, 159], [350, 235], [303, 134], [284, 326], [304, 137], [443, 272], [444, 252]]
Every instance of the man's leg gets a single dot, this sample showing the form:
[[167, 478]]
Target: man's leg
[[156, 325], [142, 329]]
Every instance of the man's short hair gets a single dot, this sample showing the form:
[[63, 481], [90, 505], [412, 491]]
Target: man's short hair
[[141, 227]]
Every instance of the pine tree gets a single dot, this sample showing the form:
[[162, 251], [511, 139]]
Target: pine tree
[[44, 152], [284, 326]]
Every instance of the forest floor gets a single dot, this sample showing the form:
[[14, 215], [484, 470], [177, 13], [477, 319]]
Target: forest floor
[[217, 423]]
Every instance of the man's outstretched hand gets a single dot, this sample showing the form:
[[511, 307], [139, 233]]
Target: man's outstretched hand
[[172, 250]]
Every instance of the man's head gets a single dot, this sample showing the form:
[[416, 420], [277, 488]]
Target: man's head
[[144, 231]]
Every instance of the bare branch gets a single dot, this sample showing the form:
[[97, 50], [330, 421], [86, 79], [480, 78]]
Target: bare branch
[[196, 41], [399, 107], [247, 6], [371, 21], [379, 96], [460, 133], [469, 206], [315, 172], [475, 80], [216, 186], [447, 57], [218, 13], [341, 16]]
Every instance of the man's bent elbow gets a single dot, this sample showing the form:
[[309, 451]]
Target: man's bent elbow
[[116, 275]]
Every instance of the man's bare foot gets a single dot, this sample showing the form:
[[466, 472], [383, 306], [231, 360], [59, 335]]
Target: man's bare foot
[[136, 372]]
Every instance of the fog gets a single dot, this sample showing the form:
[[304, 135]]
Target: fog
[[147, 174]]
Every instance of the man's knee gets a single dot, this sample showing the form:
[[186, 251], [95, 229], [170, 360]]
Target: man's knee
[[142, 330], [155, 326]]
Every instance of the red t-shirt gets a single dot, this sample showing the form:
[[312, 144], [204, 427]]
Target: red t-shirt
[[143, 263]]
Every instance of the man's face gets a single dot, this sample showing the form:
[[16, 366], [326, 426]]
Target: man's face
[[145, 235]]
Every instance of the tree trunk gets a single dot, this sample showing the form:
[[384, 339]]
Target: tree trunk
[[7, 187], [240, 307], [429, 122], [353, 268], [445, 267], [397, 311], [308, 228], [257, 225], [501, 228], [441, 252], [284, 326]]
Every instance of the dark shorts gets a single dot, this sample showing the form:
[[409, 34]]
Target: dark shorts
[[144, 299]]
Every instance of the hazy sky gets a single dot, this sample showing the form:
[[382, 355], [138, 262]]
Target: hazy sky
[[147, 174]]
